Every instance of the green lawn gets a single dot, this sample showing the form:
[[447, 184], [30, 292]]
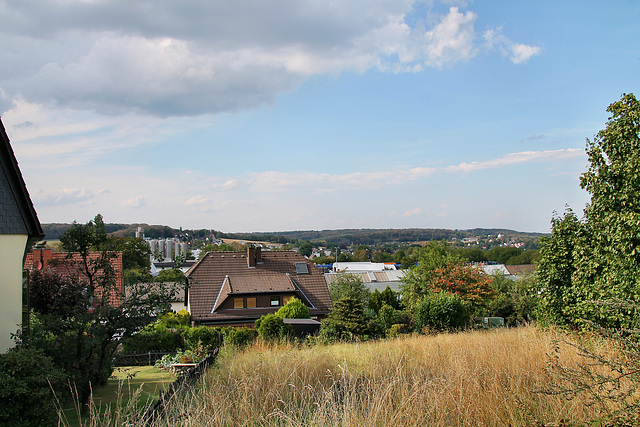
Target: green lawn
[[141, 383]]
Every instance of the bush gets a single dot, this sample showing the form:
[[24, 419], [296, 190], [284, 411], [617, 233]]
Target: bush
[[272, 327], [293, 309], [202, 338], [238, 337], [27, 377], [155, 338], [442, 311]]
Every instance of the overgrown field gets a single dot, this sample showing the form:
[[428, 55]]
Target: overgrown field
[[477, 378]]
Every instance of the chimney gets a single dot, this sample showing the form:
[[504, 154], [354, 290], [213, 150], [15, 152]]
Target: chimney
[[251, 257], [258, 255]]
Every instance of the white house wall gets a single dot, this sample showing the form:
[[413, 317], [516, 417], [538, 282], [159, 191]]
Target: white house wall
[[12, 247]]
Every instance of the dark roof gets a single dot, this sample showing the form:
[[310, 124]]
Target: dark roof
[[17, 214], [219, 275]]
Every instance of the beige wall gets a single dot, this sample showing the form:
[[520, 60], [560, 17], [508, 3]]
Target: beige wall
[[12, 247]]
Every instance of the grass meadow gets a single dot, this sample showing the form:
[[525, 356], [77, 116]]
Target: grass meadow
[[474, 378]]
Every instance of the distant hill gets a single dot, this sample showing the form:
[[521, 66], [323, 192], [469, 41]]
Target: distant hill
[[346, 237]]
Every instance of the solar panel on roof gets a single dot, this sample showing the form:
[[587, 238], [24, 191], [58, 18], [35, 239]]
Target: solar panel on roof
[[301, 268]]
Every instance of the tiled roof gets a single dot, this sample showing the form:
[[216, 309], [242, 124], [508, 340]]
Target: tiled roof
[[220, 274], [519, 270], [46, 258]]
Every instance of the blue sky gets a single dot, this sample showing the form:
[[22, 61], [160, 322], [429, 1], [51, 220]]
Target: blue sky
[[291, 115]]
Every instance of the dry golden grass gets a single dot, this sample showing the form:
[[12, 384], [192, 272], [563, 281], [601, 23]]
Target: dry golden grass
[[477, 378]]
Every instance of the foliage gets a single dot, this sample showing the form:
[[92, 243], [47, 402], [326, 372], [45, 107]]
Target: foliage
[[388, 316], [186, 356], [417, 281], [607, 380], [83, 339], [155, 337], [349, 286], [272, 327], [170, 319], [375, 301], [238, 337], [515, 300], [27, 377], [202, 337], [346, 321], [305, 248], [598, 258], [390, 298], [135, 252], [293, 309], [51, 293], [171, 275], [442, 311]]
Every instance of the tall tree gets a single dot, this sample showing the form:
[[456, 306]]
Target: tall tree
[[606, 253], [431, 258], [83, 338]]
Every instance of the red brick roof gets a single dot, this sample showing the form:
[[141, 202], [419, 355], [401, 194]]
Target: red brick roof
[[221, 275], [45, 258]]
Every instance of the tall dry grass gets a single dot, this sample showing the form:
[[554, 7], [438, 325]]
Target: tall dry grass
[[477, 378]]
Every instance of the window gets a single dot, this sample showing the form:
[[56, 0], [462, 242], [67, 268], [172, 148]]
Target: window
[[286, 299], [275, 301], [238, 303], [251, 302], [301, 268]]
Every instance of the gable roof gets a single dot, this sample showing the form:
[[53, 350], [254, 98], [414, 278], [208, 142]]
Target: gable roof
[[220, 275], [17, 214]]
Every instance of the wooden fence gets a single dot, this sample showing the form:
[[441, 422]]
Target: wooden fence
[[188, 378]]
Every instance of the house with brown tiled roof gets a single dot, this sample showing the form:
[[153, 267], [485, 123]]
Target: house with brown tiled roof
[[40, 259], [236, 288], [19, 229]]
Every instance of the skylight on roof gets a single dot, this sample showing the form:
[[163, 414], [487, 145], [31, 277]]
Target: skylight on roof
[[301, 268]]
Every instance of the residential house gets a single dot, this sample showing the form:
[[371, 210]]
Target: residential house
[[372, 279], [236, 288], [19, 229], [40, 259]]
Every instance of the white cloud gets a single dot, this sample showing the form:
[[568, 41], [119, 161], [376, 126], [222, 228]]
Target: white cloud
[[412, 212], [211, 57], [518, 53], [135, 202]]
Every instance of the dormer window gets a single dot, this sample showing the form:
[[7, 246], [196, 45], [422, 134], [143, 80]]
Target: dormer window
[[301, 268]]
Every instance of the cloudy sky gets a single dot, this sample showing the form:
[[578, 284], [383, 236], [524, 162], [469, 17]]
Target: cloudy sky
[[254, 115]]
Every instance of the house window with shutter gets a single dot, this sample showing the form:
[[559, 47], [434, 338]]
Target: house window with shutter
[[238, 303], [251, 302], [286, 299]]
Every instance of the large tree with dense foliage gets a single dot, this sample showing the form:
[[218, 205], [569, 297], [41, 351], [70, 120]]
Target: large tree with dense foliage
[[587, 265], [82, 337]]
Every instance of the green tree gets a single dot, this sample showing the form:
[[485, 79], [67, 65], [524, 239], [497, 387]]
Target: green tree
[[605, 259], [83, 339], [135, 252], [555, 270], [442, 311], [293, 309], [375, 301], [305, 248], [349, 285], [346, 321], [417, 281]]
